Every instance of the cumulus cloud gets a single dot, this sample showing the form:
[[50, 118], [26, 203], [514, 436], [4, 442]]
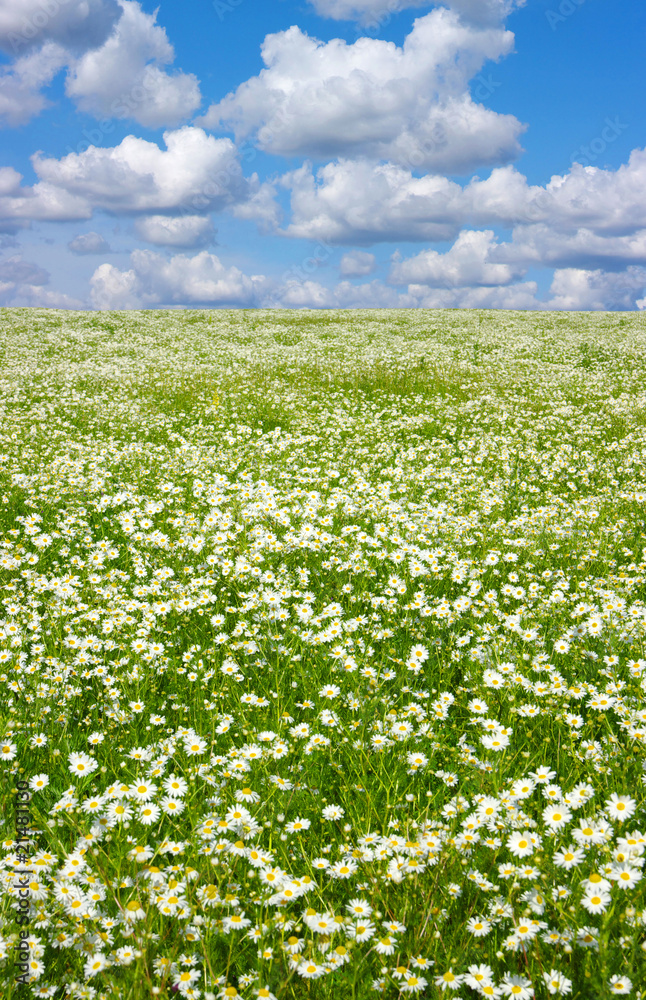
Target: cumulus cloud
[[308, 294], [77, 25], [111, 288], [354, 201], [518, 296], [260, 206], [357, 264], [193, 175], [373, 13], [154, 280], [374, 294], [544, 245], [88, 243], [195, 171], [20, 84], [574, 288], [22, 284], [123, 78], [368, 13], [188, 231], [114, 53], [467, 263], [17, 271], [43, 202], [410, 105]]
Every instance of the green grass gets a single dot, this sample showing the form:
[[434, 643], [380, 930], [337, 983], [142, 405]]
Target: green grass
[[312, 564]]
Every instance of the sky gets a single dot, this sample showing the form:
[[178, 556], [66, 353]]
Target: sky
[[482, 154]]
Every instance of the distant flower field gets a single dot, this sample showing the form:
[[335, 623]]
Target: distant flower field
[[322, 655]]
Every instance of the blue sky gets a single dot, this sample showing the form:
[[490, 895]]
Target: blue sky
[[327, 153]]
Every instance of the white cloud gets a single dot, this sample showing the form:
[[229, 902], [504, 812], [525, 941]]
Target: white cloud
[[541, 244], [357, 264], [123, 79], [77, 25], [195, 171], [260, 205], [410, 105], [302, 295], [114, 53], [154, 280], [520, 296], [467, 263], [484, 11], [370, 13], [574, 288], [17, 271], [605, 201], [36, 296], [111, 288], [354, 201], [44, 202], [193, 175], [22, 284], [20, 84], [375, 295], [374, 13], [88, 243], [189, 231]]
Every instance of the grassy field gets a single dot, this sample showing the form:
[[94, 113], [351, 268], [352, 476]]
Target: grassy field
[[322, 670]]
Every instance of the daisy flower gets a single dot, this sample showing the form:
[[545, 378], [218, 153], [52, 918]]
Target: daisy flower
[[569, 857], [413, 984], [119, 811], [478, 976], [625, 876], [81, 764], [38, 782], [556, 816], [172, 807], [298, 824], [142, 790], [175, 786], [449, 980], [620, 807], [149, 813], [556, 982], [8, 750], [358, 908], [620, 984], [596, 901], [385, 945], [520, 844], [517, 986], [478, 926]]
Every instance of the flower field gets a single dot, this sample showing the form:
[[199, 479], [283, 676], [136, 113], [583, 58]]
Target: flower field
[[322, 658]]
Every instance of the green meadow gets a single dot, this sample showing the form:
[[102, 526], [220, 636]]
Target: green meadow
[[322, 665]]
